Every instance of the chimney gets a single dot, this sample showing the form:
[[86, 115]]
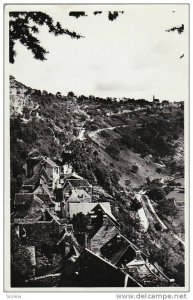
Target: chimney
[[52, 208], [118, 239], [105, 220], [67, 248], [138, 255], [69, 228]]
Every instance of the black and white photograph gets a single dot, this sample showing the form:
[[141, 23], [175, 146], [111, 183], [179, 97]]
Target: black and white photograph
[[96, 169]]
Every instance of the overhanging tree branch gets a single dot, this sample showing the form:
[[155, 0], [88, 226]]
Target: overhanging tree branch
[[20, 29]]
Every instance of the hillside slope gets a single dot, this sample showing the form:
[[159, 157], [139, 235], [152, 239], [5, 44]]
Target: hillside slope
[[120, 147]]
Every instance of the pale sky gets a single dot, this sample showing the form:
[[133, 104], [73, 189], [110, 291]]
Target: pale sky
[[132, 56]]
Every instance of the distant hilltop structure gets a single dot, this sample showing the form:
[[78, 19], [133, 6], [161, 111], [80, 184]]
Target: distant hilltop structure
[[156, 103], [155, 100]]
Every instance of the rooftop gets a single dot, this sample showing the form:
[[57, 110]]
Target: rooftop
[[78, 195], [23, 198], [85, 208], [75, 183]]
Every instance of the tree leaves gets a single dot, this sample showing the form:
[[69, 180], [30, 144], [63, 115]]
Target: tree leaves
[[179, 29], [77, 14], [20, 29]]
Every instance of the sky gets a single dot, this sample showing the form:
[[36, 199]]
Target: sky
[[132, 56]]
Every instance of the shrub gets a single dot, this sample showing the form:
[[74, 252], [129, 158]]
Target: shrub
[[105, 134], [156, 193], [159, 170], [135, 205], [134, 169]]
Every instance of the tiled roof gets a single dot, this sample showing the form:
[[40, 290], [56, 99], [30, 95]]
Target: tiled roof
[[35, 216], [53, 216], [45, 174], [45, 198], [38, 199], [75, 183], [78, 195], [85, 208], [143, 274], [118, 254], [23, 198], [106, 207], [32, 181], [27, 205], [73, 176], [43, 190]]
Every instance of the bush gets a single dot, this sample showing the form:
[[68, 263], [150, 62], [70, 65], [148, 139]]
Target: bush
[[156, 193], [113, 149], [135, 205], [159, 170], [105, 134], [168, 189], [167, 207], [157, 227], [134, 169]]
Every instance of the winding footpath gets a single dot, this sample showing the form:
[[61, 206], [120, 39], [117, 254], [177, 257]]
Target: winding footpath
[[93, 133], [141, 212]]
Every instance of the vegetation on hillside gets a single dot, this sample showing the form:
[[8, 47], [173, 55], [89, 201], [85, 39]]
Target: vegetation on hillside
[[127, 145]]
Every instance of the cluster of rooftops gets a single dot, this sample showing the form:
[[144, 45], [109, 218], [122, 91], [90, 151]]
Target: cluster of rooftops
[[44, 211]]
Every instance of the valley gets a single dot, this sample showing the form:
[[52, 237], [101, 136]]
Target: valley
[[130, 151]]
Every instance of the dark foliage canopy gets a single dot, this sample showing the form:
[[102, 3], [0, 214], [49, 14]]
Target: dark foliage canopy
[[23, 27], [179, 29], [97, 12], [77, 14]]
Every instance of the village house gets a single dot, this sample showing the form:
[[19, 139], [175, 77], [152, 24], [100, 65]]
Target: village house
[[27, 205], [45, 194], [52, 169], [45, 245], [75, 197], [67, 176], [70, 209], [148, 275], [95, 271], [43, 212], [77, 184], [106, 241]]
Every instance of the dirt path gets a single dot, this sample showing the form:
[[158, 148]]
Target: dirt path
[[141, 212], [93, 133]]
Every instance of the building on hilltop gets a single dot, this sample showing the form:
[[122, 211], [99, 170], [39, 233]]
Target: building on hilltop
[[155, 100]]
